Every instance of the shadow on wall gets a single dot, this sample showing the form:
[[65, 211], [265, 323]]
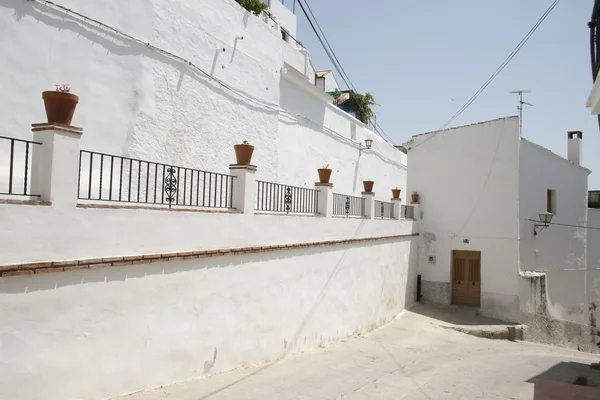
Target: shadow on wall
[[117, 44]]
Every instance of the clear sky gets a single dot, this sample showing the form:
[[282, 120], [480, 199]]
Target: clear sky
[[423, 59]]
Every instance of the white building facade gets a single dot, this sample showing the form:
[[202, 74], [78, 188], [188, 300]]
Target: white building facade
[[481, 188]]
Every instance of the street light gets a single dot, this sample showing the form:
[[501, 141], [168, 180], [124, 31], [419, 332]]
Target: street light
[[545, 219], [368, 144]]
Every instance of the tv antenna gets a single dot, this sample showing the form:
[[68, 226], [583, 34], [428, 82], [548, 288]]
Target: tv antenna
[[520, 106]]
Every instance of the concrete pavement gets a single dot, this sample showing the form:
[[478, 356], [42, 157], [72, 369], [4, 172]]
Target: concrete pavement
[[415, 357]]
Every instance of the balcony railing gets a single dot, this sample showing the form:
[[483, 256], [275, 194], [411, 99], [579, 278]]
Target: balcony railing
[[594, 199], [384, 209], [15, 166], [408, 212], [348, 205], [107, 177], [275, 197]]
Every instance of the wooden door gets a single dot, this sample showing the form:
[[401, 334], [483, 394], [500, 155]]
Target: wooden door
[[466, 278]]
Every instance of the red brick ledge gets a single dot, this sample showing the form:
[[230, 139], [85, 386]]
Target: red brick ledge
[[151, 208], [47, 267], [26, 202]]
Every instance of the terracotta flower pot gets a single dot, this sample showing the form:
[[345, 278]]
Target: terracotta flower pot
[[324, 175], [60, 106], [368, 185], [243, 153], [414, 197], [396, 193]]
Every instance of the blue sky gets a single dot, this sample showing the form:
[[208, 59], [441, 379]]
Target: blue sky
[[423, 59]]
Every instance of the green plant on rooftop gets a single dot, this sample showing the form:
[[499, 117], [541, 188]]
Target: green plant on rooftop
[[364, 102], [256, 7]]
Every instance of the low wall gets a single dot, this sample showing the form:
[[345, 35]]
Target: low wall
[[102, 332]]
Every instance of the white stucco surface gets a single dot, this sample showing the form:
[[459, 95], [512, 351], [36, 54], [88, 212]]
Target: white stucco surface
[[99, 333], [483, 184], [558, 251], [467, 180], [145, 104]]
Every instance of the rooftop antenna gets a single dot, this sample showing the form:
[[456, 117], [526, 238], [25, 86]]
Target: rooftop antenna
[[520, 106]]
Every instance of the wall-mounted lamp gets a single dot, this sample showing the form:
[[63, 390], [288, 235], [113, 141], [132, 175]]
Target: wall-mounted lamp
[[239, 38], [368, 144], [545, 219]]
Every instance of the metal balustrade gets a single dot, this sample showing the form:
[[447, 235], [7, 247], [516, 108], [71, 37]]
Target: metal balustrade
[[108, 177], [408, 212], [384, 209], [348, 205], [275, 197], [15, 166]]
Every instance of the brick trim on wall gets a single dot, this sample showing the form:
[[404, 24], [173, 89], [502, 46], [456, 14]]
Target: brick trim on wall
[[47, 267], [26, 202]]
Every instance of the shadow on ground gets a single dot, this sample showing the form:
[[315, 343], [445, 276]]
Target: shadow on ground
[[456, 315], [569, 372]]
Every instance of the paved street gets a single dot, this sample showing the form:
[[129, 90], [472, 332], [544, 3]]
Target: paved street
[[412, 358]]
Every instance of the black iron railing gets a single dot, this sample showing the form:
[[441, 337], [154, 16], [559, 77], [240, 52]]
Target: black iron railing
[[408, 212], [275, 197], [594, 199], [348, 205], [15, 166], [384, 209], [108, 177]]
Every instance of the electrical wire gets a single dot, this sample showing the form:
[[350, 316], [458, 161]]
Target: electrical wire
[[247, 97], [327, 41], [494, 75], [333, 57]]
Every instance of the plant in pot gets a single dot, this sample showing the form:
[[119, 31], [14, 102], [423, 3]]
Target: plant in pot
[[324, 174], [368, 186], [396, 193], [60, 104], [243, 153], [414, 197]]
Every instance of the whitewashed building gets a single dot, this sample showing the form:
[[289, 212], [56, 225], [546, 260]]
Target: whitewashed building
[[147, 294], [482, 188]]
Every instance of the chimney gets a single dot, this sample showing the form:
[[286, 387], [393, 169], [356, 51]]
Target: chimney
[[574, 150]]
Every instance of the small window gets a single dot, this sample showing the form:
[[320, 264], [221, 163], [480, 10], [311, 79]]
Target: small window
[[551, 201], [284, 35]]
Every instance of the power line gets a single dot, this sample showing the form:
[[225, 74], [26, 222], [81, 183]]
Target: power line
[[327, 41], [331, 58], [495, 74], [334, 59], [244, 96]]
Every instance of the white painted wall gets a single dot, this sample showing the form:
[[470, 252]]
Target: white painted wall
[[284, 16], [100, 333], [331, 84], [593, 261], [383, 164], [558, 251], [137, 102], [467, 178]]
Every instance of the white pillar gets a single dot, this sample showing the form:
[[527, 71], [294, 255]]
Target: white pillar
[[55, 164], [396, 207], [325, 199], [244, 187], [369, 204]]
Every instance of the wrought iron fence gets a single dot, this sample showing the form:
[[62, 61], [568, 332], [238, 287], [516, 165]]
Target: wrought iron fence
[[384, 209], [108, 177], [408, 212], [348, 205], [276, 197], [15, 166]]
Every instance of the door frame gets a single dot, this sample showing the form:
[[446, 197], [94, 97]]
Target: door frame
[[470, 255]]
